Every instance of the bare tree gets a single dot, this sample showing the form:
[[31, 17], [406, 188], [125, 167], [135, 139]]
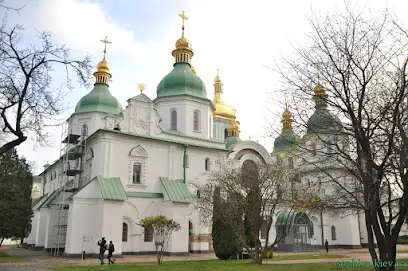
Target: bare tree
[[361, 63], [28, 100], [258, 192]]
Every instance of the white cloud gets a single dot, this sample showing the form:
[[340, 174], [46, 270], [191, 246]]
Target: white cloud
[[240, 36]]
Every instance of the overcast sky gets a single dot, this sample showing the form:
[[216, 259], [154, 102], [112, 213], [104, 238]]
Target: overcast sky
[[242, 37]]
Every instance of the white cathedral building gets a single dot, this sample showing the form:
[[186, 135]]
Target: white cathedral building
[[119, 166]]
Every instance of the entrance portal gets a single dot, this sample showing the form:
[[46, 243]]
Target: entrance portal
[[297, 226]]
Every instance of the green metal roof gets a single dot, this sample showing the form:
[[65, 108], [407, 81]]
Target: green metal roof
[[181, 81], [285, 219], [232, 141], [48, 199], [39, 202], [162, 139], [112, 188], [176, 190], [323, 122], [286, 140], [144, 195], [99, 100]]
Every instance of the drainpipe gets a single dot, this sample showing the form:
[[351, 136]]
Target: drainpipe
[[184, 162], [321, 224]]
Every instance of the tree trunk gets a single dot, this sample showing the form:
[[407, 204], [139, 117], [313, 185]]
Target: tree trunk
[[1, 241]]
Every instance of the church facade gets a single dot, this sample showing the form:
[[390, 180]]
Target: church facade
[[120, 165]]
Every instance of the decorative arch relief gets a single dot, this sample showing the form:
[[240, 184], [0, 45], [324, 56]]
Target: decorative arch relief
[[138, 151]]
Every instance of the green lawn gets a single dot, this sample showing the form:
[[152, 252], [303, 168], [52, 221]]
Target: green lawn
[[202, 266], [5, 258], [306, 256], [212, 266]]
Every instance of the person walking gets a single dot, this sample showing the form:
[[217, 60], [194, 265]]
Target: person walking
[[111, 249], [326, 245], [102, 249]]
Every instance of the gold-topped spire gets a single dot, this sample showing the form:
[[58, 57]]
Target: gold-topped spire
[[320, 95], [102, 74], [218, 87], [286, 117], [222, 109], [233, 130], [183, 52]]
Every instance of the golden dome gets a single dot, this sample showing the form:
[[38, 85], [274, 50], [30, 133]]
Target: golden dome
[[183, 43], [103, 66], [223, 110]]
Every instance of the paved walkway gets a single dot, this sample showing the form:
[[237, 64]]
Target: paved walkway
[[39, 261]]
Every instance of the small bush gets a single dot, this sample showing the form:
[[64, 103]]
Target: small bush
[[268, 255]]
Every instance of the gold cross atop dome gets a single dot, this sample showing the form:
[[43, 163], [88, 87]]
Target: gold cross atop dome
[[183, 17], [106, 41]]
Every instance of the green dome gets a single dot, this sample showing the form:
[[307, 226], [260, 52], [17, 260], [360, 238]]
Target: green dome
[[286, 140], [181, 81], [99, 100], [231, 141], [323, 122]]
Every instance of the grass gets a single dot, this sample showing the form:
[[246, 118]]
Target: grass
[[306, 257], [202, 266], [5, 258], [213, 266]]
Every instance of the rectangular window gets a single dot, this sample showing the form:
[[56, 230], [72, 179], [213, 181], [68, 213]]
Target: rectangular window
[[137, 173], [186, 161], [148, 234], [173, 120]]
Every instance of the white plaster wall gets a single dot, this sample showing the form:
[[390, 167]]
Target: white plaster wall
[[112, 160], [112, 223], [34, 225], [185, 107], [41, 222], [85, 219], [219, 128]]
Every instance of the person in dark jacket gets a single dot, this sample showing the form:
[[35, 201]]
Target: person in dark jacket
[[102, 249], [111, 249], [326, 245]]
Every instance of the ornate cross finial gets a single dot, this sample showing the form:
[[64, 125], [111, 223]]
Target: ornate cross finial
[[141, 87], [183, 17], [286, 100], [106, 41], [218, 69]]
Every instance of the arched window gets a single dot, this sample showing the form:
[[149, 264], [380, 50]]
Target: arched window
[[186, 162], [124, 232], [84, 130], [311, 229], [137, 173], [225, 133], [263, 230], [333, 233], [197, 118], [173, 120], [148, 234], [207, 163], [290, 162], [250, 171], [198, 194]]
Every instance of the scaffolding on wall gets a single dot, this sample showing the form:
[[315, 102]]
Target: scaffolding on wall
[[72, 157]]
